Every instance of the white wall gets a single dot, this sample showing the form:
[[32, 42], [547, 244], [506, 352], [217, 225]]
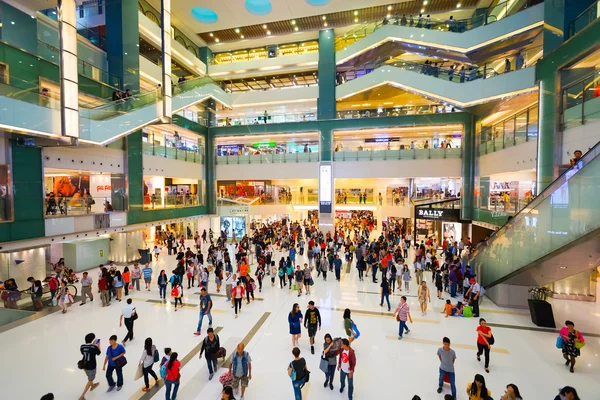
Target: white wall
[[100, 159], [34, 264], [513, 159], [267, 171], [167, 167], [276, 96], [397, 168], [582, 137]]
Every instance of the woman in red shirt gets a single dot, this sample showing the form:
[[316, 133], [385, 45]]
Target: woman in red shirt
[[173, 376], [237, 295], [484, 342]]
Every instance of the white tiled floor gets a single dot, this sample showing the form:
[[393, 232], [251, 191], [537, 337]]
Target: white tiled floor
[[41, 356]]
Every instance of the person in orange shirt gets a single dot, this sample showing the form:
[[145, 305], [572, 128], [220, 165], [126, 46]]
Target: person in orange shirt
[[244, 273], [126, 280], [384, 265], [447, 309]]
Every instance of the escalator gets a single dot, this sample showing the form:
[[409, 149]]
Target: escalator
[[470, 40], [554, 237], [477, 86], [24, 109]]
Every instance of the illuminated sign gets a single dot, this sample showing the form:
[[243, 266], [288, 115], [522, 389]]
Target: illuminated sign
[[325, 188]]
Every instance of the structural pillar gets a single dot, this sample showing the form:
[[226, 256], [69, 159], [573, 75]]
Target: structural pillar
[[210, 173], [468, 171], [122, 42], [69, 81], [547, 169], [205, 55], [165, 15]]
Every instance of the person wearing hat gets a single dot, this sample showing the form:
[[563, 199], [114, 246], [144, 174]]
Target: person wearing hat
[[473, 295]]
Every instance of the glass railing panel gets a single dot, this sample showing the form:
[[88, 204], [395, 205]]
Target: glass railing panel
[[453, 153], [584, 19], [490, 146], [119, 107], [499, 142], [147, 148], [170, 152], [437, 153], [70, 206], [243, 159], [364, 155], [564, 212], [160, 151], [421, 154]]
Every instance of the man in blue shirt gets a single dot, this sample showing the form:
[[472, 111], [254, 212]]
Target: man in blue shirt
[[205, 307], [337, 264], [293, 254], [147, 273], [372, 261], [453, 281]]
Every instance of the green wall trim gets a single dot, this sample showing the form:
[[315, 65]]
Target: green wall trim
[[343, 124], [326, 104], [190, 125], [28, 196], [490, 217], [468, 170]]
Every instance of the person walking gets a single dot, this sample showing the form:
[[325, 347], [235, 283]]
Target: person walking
[[324, 266], [406, 278], [238, 296], [484, 341], [477, 390], [128, 314], [298, 372], [511, 393], [348, 324], [567, 393], [173, 377], [307, 279], [147, 273], [90, 350], [337, 265], [177, 293], [346, 366], [402, 314], [330, 354], [385, 292], [162, 284], [103, 288], [86, 288], [447, 358], [573, 341], [118, 285], [295, 322], [229, 282], [149, 357], [136, 274], [241, 369], [205, 307], [289, 270], [473, 296], [115, 358], [299, 279], [210, 348], [126, 280], [361, 265], [312, 322], [424, 297]]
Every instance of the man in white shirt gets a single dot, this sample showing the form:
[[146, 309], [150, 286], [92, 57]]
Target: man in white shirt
[[473, 295], [229, 282], [128, 314]]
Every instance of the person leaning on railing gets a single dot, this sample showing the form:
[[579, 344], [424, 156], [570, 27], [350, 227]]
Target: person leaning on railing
[[10, 293]]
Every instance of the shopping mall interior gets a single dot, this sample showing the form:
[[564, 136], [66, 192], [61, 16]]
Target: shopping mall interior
[[463, 129]]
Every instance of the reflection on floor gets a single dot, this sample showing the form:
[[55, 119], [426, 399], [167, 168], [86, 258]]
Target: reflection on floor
[[41, 356]]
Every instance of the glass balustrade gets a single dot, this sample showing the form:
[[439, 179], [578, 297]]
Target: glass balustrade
[[581, 101], [513, 131], [265, 52], [584, 19]]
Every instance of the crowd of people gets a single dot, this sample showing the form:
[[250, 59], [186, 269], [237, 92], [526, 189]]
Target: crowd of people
[[242, 268]]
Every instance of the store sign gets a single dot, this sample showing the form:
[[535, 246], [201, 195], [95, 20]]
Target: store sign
[[325, 188], [238, 210], [438, 214]]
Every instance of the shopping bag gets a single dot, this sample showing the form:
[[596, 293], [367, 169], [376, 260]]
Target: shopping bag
[[467, 312], [138, 372], [54, 302], [323, 365], [355, 330], [295, 287], [560, 342]]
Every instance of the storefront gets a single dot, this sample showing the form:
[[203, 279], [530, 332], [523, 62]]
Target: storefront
[[503, 195], [440, 220], [264, 190], [161, 192]]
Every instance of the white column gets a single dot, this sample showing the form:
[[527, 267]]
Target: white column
[[69, 104], [165, 12]]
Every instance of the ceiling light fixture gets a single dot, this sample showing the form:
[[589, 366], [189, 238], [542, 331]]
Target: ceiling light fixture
[[458, 5], [217, 40], [388, 16], [325, 24], [355, 12], [211, 35], [355, 19], [425, 3], [242, 36], [422, 10], [264, 26], [324, 17], [389, 8], [237, 30], [268, 32], [296, 29], [293, 22]]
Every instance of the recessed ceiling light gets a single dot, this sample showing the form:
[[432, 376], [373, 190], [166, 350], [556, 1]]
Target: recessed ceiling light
[[422, 10], [325, 24], [217, 40], [355, 12], [12, 22], [425, 3], [211, 35], [389, 8], [237, 30], [458, 5], [355, 19], [268, 32], [324, 17], [296, 29], [241, 37], [388, 16], [293, 22], [264, 27]]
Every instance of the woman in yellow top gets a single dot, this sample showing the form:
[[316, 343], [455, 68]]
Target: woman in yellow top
[[477, 390]]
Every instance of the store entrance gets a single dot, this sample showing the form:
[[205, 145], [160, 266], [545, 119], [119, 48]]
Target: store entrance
[[439, 220]]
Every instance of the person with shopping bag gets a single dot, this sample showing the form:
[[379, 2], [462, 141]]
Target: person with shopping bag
[[571, 342]]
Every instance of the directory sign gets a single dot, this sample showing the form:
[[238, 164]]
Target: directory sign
[[325, 188]]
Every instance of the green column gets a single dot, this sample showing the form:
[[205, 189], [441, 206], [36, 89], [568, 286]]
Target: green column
[[135, 177], [205, 55], [122, 42], [326, 106], [468, 170], [548, 104], [210, 173]]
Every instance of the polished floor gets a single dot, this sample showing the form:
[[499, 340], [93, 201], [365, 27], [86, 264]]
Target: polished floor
[[41, 356]]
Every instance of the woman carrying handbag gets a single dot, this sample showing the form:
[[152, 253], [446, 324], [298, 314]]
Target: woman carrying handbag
[[572, 343]]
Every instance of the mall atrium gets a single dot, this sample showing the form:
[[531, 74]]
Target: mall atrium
[[465, 130]]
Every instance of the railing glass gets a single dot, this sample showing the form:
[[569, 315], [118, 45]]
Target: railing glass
[[513, 131], [175, 153], [269, 158], [262, 53], [565, 211], [406, 154], [584, 19], [581, 101], [74, 206]]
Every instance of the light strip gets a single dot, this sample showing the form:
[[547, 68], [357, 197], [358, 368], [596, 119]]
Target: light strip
[[273, 102]]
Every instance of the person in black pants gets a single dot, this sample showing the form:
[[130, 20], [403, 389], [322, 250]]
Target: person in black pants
[[128, 315], [484, 341]]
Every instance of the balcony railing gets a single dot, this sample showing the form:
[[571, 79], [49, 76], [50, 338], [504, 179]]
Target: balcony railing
[[581, 101], [407, 154], [584, 19], [171, 201], [175, 153], [75, 206], [269, 158], [513, 131], [264, 52]]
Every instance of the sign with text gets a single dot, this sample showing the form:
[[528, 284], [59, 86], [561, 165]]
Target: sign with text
[[325, 188], [442, 214]]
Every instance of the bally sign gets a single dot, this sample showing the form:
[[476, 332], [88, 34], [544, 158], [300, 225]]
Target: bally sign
[[430, 214]]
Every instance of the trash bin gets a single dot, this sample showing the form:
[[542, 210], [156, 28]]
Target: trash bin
[[145, 255]]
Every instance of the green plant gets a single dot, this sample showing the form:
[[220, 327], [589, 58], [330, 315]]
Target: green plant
[[540, 293]]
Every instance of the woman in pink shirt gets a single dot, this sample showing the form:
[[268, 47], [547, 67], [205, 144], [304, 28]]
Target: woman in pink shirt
[[573, 341]]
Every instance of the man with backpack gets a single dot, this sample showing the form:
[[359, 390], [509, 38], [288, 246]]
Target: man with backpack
[[211, 348], [90, 350]]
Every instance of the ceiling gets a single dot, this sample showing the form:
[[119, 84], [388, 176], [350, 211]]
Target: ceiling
[[32, 5], [386, 96], [233, 15]]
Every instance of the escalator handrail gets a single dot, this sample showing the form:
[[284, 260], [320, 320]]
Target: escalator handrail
[[589, 156]]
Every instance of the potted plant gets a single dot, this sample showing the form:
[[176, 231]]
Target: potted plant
[[540, 309]]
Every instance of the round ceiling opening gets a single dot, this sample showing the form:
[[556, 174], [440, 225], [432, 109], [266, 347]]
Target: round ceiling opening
[[258, 7], [204, 15]]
